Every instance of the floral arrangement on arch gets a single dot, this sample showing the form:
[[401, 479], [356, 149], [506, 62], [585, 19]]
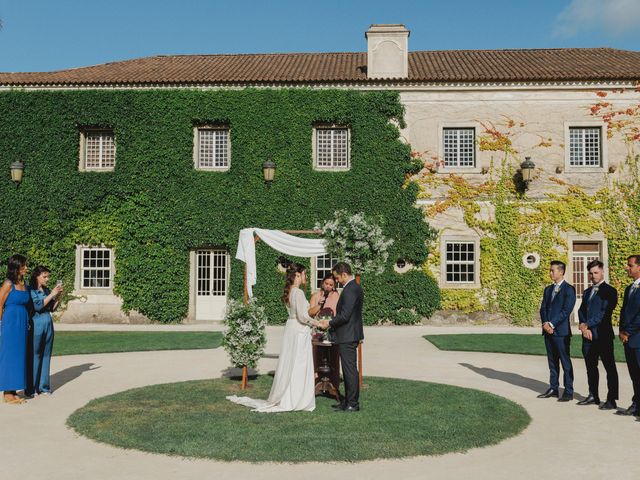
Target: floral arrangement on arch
[[245, 337], [357, 240]]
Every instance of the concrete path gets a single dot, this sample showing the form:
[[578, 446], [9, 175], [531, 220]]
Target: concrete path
[[562, 439]]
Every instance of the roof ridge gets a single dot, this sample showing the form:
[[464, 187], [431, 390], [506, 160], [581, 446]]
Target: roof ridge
[[553, 49], [252, 54]]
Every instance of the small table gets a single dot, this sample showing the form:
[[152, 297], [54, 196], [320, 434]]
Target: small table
[[326, 363]]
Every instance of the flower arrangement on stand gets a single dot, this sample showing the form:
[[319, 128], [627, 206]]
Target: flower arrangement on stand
[[245, 337], [357, 240]]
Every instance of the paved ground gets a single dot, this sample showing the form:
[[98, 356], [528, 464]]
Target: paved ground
[[562, 440]]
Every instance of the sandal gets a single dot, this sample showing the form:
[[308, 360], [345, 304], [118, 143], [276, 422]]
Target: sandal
[[12, 401]]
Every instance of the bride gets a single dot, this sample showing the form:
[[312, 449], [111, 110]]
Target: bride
[[294, 382]]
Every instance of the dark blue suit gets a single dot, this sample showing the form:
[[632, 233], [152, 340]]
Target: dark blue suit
[[556, 310], [348, 332], [630, 323], [595, 311]]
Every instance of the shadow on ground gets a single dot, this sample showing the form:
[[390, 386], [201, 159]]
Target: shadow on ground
[[513, 378], [67, 375]]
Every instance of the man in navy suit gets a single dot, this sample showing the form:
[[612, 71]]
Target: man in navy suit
[[347, 330], [630, 331], [598, 303], [557, 304]]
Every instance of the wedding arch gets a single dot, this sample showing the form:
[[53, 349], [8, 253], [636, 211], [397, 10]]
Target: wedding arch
[[280, 240], [283, 241]]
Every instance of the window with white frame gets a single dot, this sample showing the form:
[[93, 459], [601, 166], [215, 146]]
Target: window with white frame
[[585, 146], [96, 267], [212, 148], [458, 147], [460, 262], [324, 265], [98, 150], [212, 272], [332, 145]]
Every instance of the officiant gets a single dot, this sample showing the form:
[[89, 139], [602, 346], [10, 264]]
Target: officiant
[[323, 304], [325, 300]]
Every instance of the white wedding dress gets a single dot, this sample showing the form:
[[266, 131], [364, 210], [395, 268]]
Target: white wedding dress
[[294, 382]]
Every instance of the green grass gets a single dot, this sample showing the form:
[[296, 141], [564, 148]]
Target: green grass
[[72, 343], [507, 343], [399, 418]]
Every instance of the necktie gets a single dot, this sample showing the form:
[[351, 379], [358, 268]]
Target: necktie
[[556, 289], [594, 290]]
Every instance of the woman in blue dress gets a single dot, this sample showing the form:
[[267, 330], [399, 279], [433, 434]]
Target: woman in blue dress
[[44, 301], [14, 299]]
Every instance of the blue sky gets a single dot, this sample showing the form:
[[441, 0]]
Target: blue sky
[[44, 35]]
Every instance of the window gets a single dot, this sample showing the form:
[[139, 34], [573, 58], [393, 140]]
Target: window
[[460, 262], [323, 268], [583, 253], [212, 272], [585, 146], [331, 148], [458, 147], [212, 148], [97, 150], [96, 267]]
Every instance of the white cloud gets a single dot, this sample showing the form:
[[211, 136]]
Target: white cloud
[[612, 17]]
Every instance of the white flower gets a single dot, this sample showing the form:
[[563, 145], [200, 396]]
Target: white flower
[[357, 240], [245, 338]]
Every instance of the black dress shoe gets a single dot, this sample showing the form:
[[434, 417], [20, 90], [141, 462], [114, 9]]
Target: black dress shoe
[[632, 410], [351, 409], [549, 393], [608, 405], [566, 397], [590, 400], [338, 406]]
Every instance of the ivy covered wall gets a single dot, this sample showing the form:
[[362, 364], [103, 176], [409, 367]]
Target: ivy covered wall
[[155, 207], [513, 223]]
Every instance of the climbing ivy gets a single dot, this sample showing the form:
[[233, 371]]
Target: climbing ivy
[[155, 207], [519, 225]]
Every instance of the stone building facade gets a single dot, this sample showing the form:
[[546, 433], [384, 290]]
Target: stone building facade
[[542, 100]]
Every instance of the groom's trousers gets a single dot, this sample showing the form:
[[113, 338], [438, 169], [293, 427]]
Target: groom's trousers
[[349, 360]]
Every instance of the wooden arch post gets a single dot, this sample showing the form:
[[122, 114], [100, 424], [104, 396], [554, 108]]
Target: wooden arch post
[[358, 279], [245, 370]]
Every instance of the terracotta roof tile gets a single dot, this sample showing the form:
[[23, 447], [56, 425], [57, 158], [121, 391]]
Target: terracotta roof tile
[[599, 64]]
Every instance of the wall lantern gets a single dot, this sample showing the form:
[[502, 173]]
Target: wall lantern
[[268, 171], [526, 168], [17, 169]]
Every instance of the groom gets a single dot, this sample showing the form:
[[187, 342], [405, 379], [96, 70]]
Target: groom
[[347, 332]]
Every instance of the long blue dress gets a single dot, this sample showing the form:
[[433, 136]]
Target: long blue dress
[[13, 341]]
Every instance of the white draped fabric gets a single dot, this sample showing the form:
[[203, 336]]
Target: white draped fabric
[[278, 240]]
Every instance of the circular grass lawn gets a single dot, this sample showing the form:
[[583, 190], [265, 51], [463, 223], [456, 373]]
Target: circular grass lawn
[[399, 418]]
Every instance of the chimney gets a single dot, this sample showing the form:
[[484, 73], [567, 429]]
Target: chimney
[[387, 51]]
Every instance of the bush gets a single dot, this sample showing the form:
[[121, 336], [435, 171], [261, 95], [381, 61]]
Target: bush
[[386, 295], [405, 317]]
